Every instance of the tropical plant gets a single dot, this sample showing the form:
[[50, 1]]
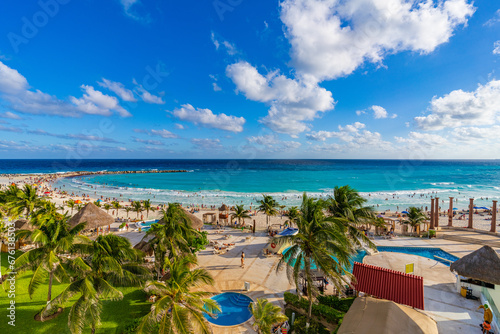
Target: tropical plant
[[180, 309], [24, 200], [146, 205], [292, 215], [128, 209], [240, 213], [320, 243], [347, 205], [268, 205], [266, 315], [415, 217], [71, 204], [97, 203], [110, 262], [171, 235], [106, 207], [53, 237], [116, 205], [137, 207]]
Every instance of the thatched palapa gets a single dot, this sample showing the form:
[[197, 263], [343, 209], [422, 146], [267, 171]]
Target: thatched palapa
[[23, 224], [483, 265], [93, 216]]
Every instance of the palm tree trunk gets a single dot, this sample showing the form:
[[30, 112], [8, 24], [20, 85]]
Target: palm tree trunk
[[51, 278], [93, 330]]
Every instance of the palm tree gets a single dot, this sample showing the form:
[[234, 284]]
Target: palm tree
[[137, 207], [180, 309], [147, 206], [268, 205], [292, 214], [347, 205], [266, 315], [415, 217], [116, 205], [110, 262], [171, 235], [53, 238], [71, 204], [128, 209], [107, 207], [240, 213], [24, 200], [320, 242], [97, 203]]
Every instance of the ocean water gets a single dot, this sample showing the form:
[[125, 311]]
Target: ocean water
[[386, 184]]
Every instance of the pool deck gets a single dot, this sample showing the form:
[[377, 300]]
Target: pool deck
[[453, 313]]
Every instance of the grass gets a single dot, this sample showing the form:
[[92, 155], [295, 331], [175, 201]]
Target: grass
[[115, 316]]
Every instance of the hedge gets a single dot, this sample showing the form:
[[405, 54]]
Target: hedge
[[328, 313], [339, 304]]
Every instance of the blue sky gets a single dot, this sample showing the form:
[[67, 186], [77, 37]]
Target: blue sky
[[249, 79]]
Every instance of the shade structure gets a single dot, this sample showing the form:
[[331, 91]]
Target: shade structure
[[378, 316], [196, 222], [405, 212], [23, 224], [144, 245], [224, 208], [483, 265], [389, 284], [92, 216]]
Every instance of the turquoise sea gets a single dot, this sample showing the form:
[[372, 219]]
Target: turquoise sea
[[387, 184]]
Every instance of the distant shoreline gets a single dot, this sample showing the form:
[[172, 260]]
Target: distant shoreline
[[86, 173]]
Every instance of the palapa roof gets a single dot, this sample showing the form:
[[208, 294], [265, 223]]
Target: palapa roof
[[93, 216], [483, 265], [223, 208], [23, 224], [371, 315], [196, 222]]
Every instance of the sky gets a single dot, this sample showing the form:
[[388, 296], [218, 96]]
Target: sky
[[319, 79]]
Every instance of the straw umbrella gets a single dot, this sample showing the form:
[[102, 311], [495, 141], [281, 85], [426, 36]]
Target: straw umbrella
[[93, 216], [483, 265], [23, 224], [196, 222]]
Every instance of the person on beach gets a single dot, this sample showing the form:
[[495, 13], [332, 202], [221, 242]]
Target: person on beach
[[242, 259], [488, 316]]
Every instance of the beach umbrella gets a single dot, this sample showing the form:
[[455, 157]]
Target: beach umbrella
[[455, 209], [483, 265], [23, 224], [379, 216], [405, 212], [78, 201], [93, 216]]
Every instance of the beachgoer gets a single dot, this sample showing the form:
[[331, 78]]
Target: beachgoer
[[488, 316], [242, 259]]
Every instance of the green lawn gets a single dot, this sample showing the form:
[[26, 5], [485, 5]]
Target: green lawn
[[116, 314]]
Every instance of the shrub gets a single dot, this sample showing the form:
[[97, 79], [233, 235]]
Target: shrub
[[341, 304], [299, 327], [326, 312]]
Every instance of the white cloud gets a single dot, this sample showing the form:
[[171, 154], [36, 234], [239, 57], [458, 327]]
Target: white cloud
[[206, 118], [10, 115], [344, 132], [148, 141], [496, 48], [96, 103], [11, 129], [460, 108], [476, 133], [419, 140], [494, 20], [332, 38], [380, 112], [216, 87], [163, 133], [292, 102], [147, 96], [179, 126], [119, 89], [11, 81], [360, 112], [230, 48], [272, 143], [127, 9], [206, 144]]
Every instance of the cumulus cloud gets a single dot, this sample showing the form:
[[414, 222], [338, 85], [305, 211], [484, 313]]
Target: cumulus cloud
[[206, 118], [96, 103], [272, 143], [419, 140], [380, 112], [146, 96], [496, 48], [460, 108], [292, 102], [119, 89], [332, 38], [344, 132]]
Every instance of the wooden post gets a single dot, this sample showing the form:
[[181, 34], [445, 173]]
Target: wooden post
[[450, 213], [432, 214], [436, 212], [494, 217], [471, 212], [253, 226]]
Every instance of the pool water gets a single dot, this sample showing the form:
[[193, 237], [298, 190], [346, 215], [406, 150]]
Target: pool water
[[147, 225], [432, 253], [234, 309]]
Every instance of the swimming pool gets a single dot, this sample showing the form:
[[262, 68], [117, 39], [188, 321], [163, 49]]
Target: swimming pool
[[234, 309], [147, 224], [432, 253]]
